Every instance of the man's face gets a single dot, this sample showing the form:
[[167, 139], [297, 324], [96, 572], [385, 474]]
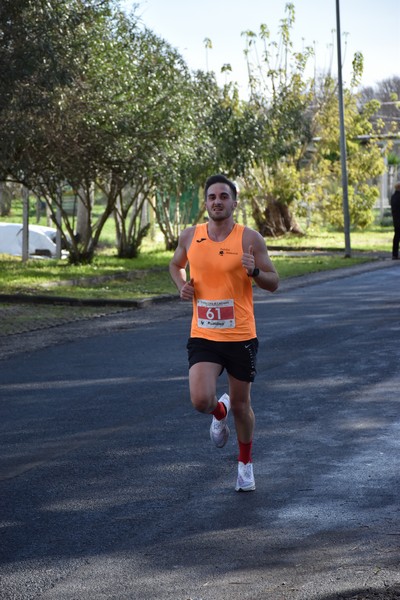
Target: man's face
[[219, 202]]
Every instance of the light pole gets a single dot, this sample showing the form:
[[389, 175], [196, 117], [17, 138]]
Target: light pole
[[343, 157], [25, 223]]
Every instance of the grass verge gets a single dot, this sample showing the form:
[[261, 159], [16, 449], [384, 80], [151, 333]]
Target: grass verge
[[109, 277], [110, 281]]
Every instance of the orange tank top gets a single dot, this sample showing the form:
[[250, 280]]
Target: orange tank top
[[223, 297]]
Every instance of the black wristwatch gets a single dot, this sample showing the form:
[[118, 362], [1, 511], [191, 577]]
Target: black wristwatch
[[255, 273]]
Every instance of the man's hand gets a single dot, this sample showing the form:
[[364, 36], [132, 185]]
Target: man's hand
[[248, 261], [187, 290]]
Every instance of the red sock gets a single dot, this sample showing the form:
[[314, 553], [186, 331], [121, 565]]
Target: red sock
[[219, 412], [245, 452]]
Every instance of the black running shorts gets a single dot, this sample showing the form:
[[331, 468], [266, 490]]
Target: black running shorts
[[238, 358]]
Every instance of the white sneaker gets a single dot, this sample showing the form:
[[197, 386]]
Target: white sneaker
[[219, 430], [245, 480]]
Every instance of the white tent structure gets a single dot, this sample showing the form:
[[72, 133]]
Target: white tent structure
[[42, 240]]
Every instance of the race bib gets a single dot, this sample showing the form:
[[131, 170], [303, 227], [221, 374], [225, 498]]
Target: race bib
[[215, 314]]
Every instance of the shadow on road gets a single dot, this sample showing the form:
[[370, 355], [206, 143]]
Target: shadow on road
[[387, 593]]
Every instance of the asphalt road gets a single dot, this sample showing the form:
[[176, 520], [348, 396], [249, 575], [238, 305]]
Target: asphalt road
[[110, 488]]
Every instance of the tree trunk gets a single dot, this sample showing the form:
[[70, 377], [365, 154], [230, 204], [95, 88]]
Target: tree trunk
[[5, 200], [83, 224], [274, 218]]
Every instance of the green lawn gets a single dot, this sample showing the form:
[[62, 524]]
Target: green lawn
[[148, 275], [374, 239]]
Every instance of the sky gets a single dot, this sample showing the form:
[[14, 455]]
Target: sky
[[371, 27]]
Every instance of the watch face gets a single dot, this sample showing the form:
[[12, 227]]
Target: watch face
[[256, 272]]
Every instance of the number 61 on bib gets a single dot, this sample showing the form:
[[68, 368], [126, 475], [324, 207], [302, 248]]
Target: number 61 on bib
[[215, 314]]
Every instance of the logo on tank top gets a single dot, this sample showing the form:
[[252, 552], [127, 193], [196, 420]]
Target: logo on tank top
[[227, 251]]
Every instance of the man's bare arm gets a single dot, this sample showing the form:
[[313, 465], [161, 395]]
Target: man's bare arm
[[255, 255], [178, 264]]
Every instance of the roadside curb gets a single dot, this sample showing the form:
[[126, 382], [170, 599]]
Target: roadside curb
[[289, 283], [322, 276], [95, 302], [33, 322]]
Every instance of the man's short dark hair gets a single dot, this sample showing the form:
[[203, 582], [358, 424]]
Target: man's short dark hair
[[220, 179]]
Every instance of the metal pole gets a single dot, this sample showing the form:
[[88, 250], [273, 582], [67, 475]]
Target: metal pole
[[343, 157], [58, 215], [25, 223]]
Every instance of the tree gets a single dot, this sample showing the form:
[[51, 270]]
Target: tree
[[42, 50], [218, 133], [42, 56], [145, 107], [280, 99], [387, 92], [110, 120], [364, 154], [182, 168], [297, 158]]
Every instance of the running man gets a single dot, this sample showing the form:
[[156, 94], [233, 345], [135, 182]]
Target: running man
[[224, 259]]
